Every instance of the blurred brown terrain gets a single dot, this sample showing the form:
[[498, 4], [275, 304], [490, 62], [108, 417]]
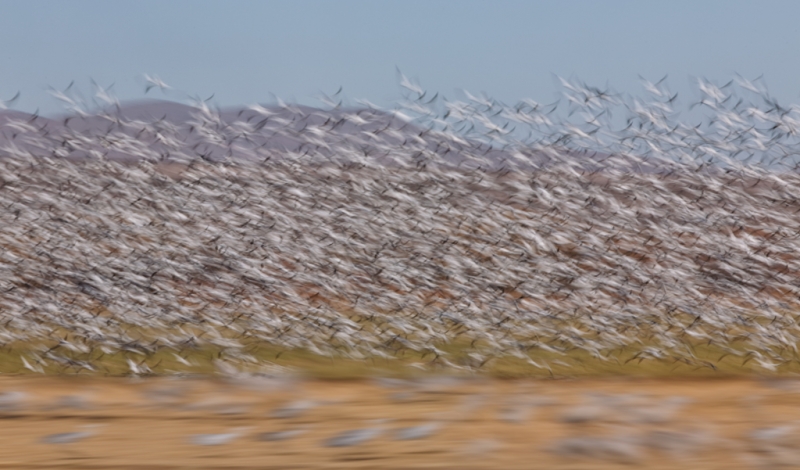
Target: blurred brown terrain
[[270, 422]]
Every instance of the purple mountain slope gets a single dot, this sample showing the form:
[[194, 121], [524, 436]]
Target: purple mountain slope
[[166, 131]]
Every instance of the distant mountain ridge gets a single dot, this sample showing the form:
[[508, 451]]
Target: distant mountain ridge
[[166, 130]]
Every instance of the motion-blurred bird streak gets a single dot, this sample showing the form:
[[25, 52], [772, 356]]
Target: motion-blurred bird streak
[[537, 231]]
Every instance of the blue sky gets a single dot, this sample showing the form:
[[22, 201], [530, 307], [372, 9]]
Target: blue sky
[[248, 51]]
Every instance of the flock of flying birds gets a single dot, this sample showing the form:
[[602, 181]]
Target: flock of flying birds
[[595, 224]]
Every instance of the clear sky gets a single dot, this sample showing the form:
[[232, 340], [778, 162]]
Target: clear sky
[[246, 51]]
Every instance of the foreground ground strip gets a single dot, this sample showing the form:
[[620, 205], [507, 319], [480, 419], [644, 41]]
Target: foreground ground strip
[[434, 422]]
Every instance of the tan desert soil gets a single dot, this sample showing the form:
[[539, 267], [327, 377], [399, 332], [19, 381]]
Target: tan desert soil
[[482, 423]]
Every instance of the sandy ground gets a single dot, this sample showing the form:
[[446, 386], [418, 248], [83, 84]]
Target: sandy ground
[[158, 423]]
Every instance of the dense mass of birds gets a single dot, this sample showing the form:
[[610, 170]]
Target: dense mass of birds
[[596, 223]]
